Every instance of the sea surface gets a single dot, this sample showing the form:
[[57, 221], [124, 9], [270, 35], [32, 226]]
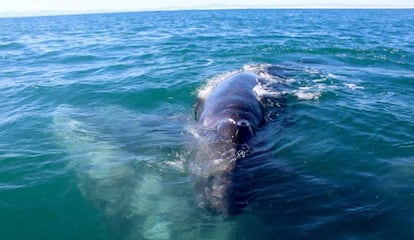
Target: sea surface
[[97, 124]]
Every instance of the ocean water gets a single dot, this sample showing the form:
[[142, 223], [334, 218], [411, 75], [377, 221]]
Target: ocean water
[[97, 124]]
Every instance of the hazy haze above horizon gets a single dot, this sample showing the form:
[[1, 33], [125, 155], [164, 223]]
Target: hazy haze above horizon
[[29, 7]]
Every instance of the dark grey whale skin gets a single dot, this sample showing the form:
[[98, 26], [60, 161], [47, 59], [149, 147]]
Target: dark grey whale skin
[[231, 114], [232, 109]]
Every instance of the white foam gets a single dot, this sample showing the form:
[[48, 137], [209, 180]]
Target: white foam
[[331, 75], [306, 93], [320, 80], [353, 86], [262, 70], [262, 89], [193, 131]]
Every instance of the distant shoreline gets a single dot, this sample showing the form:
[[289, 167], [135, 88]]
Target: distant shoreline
[[51, 13]]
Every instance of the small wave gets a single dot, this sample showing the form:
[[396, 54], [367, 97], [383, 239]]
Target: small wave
[[12, 46], [80, 59]]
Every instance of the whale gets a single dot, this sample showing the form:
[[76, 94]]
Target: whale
[[228, 118]]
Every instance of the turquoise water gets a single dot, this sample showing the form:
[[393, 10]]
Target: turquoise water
[[96, 124]]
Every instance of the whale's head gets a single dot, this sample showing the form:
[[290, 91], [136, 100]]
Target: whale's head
[[239, 131]]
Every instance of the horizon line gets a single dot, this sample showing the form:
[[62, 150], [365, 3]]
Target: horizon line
[[46, 13]]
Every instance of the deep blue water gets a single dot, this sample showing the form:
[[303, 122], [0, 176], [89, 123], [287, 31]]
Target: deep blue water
[[96, 124]]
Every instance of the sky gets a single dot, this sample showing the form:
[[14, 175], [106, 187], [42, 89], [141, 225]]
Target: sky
[[37, 7]]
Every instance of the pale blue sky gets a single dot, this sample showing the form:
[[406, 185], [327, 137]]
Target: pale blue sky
[[33, 6]]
